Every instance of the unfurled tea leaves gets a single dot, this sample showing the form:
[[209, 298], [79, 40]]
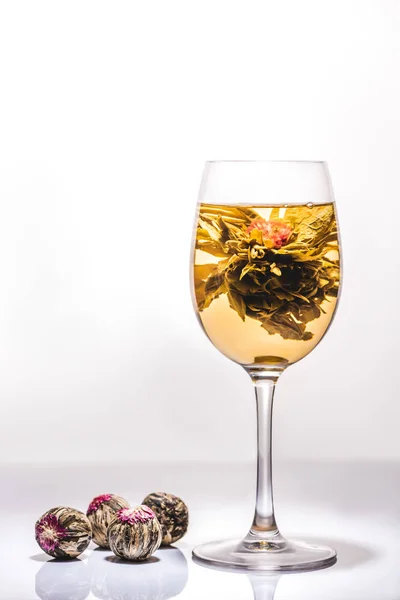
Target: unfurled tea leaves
[[278, 271], [286, 326], [203, 271], [236, 301]]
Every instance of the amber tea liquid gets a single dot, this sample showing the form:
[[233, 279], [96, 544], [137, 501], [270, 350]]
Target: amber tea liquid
[[266, 279]]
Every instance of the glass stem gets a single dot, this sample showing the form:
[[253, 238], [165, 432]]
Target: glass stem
[[264, 531]]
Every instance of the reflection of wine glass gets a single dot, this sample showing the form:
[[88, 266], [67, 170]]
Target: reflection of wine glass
[[161, 577], [263, 586], [266, 275], [62, 580]]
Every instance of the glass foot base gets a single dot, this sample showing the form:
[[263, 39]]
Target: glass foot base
[[292, 556]]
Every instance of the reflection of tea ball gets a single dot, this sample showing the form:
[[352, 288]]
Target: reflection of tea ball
[[62, 581], [135, 533], [63, 532], [160, 578], [172, 514], [102, 510]]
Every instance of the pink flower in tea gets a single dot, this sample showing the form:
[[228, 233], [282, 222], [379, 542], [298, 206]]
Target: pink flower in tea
[[139, 514], [49, 533], [97, 502], [276, 230]]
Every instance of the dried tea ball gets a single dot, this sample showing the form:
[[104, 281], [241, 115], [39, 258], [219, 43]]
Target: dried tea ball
[[172, 514], [135, 533], [102, 510], [63, 532]]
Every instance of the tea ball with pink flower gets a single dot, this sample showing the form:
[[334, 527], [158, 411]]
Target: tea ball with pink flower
[[135, 533], [101, 511], [63, 532]]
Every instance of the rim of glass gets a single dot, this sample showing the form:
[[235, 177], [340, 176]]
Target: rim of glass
[[310, 162]]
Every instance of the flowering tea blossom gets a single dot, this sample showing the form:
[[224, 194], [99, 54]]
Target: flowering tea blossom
[[49, 532], [97, 502], [140, 514], [275, 230]]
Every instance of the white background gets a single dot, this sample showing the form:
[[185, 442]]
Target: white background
[[108, 111]]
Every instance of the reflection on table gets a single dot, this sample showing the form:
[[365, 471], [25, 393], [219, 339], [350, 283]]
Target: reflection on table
[[161, 577], [63, 580], [263, 586]]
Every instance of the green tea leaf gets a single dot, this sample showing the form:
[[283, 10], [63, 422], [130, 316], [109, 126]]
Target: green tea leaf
[[229, 231], [199, 291], [306, 313], [274, 214], [243, 214], [275, 270], [284, 325], [310, 225], [237, 303], [211, 248], [247, 269], [203, 271], [256, 235]]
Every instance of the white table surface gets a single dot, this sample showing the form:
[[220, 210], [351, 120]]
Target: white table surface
[[355, 508]]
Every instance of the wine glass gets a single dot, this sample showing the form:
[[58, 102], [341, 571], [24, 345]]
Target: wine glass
[[266, 279]]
